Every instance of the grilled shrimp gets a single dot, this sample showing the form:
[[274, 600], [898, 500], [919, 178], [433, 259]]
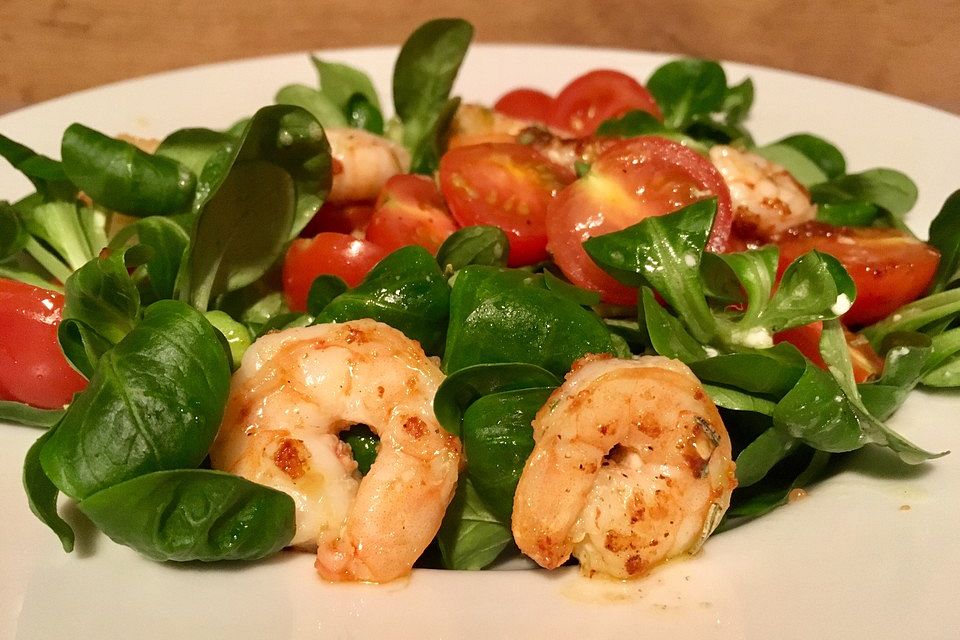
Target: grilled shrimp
[[632, 466], [476, 124], [362, 164], [294, 392], [766, 198]]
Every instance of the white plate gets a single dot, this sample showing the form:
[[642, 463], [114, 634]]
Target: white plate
[[871, 553]]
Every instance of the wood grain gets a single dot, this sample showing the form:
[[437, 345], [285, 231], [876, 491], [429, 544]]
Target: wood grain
[[905, 47]]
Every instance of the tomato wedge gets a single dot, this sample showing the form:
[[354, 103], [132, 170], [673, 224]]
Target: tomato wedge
[[632, 180], [33, 368], [526, 104], [507, 185], [599, 95], [889, 267], [326, 253], [866, 363], [340, 218], [409, 211]]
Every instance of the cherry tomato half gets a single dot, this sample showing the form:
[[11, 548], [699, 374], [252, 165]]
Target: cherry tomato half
[[632, 180], [33, 368], [507, 185], [325, 254], [866, 363], [526, 104], [889, 267], [339, 218], [599, 95], [409, 211]]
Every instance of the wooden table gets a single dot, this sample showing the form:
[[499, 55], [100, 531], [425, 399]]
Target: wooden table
[[905, 47]]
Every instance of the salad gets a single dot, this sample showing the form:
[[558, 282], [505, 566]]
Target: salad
[[171, 263]]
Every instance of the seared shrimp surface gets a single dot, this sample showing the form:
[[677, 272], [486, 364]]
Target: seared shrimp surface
[[362, 164], [294, 392], [632, 466], [766, 198]]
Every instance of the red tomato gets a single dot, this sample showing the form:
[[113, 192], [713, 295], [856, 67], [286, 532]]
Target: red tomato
[[597, 96], [507, 185], [632, 180], [889, 267], [325, 254], [410, 211], [526, 104], [866, 363], [339, 218], [33, 369]]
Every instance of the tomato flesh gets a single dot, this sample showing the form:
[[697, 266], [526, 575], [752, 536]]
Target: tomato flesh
[[326, 253], [507, 185], [349, 217], [866, 363], [890, 268], [597, 96], [33, 368], [409, 211], [632, 180], [526, 104]]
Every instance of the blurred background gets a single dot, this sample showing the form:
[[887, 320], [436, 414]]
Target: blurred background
[[904, 47]]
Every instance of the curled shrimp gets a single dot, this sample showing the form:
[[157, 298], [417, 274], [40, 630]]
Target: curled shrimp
[[632, 466], [766, 198], [294, 392], [362, 164]]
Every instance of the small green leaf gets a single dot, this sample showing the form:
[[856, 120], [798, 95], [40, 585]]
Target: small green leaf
[[756, 460], [471, 537], [19, 413], [800, 166], [631, 124], [319, 105], [42, 494], [824, 154], [479, 244], [886, 188], [945, 236], [323, 290], [688, 87], [341, 82]]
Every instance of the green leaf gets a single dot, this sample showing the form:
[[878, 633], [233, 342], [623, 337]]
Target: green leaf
[[362, 114], [42, 494], [908, 356], [167, 244], [405, 290], [20, 413], [813, 287], [583, 297], [47, 175], [772, 372], [804, 169], [119, 176], [886, 188], [102, 296], [341, 82], [666, 334], [758, 457], [664, 252], [688, 87], [507, 315], [323, 290], [817, 412], [479, 244], [943, 366], [848, 214], [737, 101], [13, 235], [945, 236], [364, 444], [916, 315], [825, 155], [154, 403], [425, 156], [319, 105], [497, 440], [471, 537], [462, 388], [630, 125], [737, 400], [192, 148], [194, 514], [59, 225], [423, 77], [254, 197], [237, 336]]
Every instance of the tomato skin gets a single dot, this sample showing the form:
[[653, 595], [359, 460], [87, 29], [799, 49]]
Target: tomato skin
[[632, 180], [507, 185], [890, 268], [410, 211], [326, 253], [599, 95], [33, 368], [349, 217], [866, 363], [526, 104]]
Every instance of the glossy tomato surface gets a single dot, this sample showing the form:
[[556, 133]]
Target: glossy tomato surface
[[409, 211], [632, 180], [33, 369], [867, 365], [506, 185], [326, 253], [889, 267], [526, 104], [599, 95]]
